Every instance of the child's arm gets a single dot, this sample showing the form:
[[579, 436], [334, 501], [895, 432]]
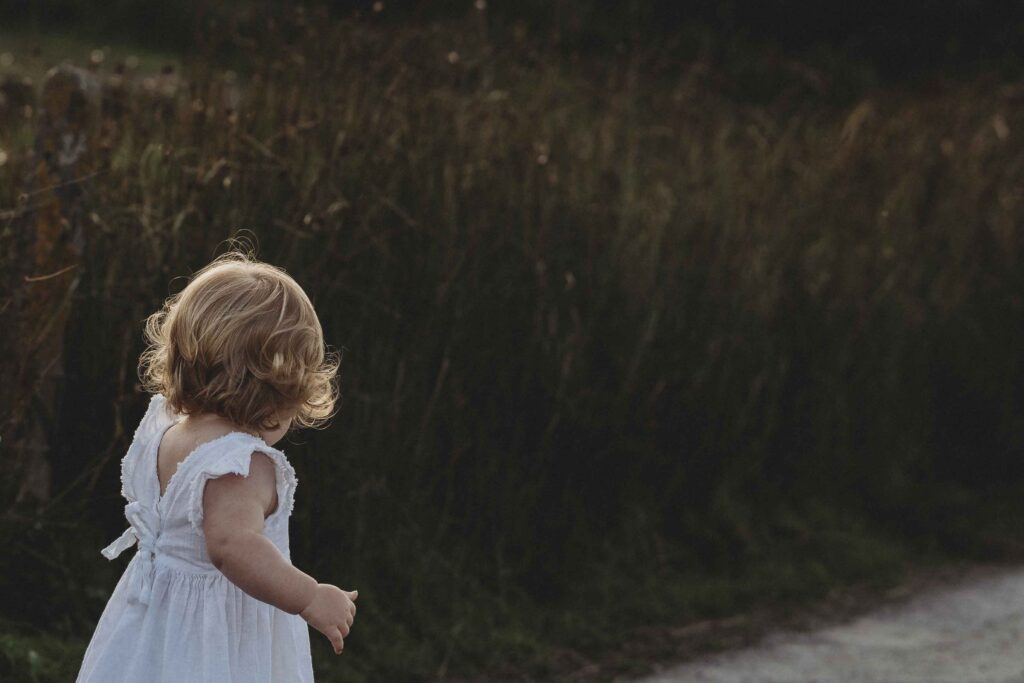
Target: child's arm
[[234, 508]]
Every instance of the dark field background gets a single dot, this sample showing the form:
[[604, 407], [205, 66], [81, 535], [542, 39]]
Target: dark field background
[[651, 313]]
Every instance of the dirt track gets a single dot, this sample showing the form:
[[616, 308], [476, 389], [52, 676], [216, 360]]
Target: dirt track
[[970, 632]]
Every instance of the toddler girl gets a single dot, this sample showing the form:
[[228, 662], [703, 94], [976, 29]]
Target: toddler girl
[[211, 595]]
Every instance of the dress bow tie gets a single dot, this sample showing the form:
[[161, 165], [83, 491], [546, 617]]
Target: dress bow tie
[[145, 526]]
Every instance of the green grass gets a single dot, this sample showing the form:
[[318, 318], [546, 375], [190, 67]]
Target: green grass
[[32, 654]]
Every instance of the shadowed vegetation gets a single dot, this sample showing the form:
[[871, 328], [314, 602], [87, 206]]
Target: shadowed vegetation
[[622, 344]]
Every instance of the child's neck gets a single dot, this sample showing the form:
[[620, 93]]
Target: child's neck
[[216, 425]]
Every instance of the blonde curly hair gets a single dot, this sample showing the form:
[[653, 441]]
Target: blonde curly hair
[[242, 341]]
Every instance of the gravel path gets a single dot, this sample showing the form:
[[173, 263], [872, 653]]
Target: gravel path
[[972, 632]]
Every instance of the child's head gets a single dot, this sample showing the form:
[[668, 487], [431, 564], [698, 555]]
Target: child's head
[[242, 341]]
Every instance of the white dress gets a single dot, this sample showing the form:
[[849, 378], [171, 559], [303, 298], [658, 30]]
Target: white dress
[[173, 617]]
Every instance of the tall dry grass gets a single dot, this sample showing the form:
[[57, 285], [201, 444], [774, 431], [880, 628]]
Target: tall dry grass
[[602, 322]]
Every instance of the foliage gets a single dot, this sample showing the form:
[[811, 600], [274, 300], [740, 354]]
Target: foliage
[[600, 328]]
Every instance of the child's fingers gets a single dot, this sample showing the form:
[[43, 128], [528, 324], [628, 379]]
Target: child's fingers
[[352, 595], [334, 635]]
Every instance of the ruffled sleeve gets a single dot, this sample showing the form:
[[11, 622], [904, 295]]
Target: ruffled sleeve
[[156, 419], [232, 454]]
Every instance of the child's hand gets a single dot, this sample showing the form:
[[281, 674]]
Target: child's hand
[[331, 611]]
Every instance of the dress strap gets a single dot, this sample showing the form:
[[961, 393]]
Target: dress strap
[[234, 456], [155, 421]]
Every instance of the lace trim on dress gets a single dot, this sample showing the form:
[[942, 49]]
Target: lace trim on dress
[[287, 481], [237, 461]]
